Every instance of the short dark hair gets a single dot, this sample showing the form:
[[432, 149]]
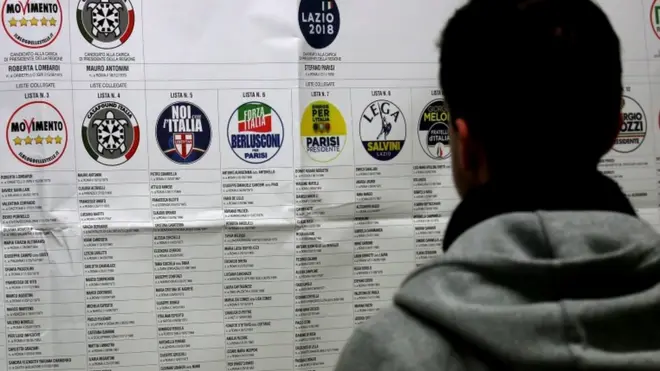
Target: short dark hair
[[535, 80]]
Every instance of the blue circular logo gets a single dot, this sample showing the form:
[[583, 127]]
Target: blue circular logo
[[183, 132], [319, 22]]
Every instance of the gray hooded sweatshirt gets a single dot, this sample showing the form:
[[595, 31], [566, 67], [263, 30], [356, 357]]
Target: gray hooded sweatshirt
[[574, 287]]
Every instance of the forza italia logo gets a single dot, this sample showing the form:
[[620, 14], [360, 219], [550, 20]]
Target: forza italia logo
[[255, 132]]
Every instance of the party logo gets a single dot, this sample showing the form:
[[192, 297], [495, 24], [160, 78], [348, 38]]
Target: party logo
[[383, 130], [37, 134], [110, 133], [255, 132], [106, 24], [32, 24], [433, 130], [183, 132], [323, 131]]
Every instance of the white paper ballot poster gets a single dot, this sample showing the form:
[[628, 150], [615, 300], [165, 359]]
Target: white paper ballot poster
[[235, 185]]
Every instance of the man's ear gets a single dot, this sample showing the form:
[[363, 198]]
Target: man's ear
[[467, 159]]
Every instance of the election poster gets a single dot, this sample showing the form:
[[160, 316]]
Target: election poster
[[236, 185]]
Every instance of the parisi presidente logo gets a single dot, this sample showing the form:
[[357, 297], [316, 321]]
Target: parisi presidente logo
[[255, 132], [32, 24], [183, 132], [37, 134], [655, 17], [106, 24], [383, 130], [323, 131]]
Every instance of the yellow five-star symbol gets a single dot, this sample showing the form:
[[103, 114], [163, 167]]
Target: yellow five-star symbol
[[13, 22], [23, 22], [18, 141], [34, 21], [39, 139], [44, 21], [28, 140], [58, 140], [53, 22], [49, 139]]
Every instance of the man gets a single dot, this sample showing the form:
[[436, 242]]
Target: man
[[546, 265]]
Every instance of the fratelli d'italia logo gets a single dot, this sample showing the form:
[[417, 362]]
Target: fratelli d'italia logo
[[323, 131], [32, 24], [106, 24], [433, 130], [633, 126], [319, 22], [183, 132], [383, 130], [255, 132], [655, 17], [110, 133]]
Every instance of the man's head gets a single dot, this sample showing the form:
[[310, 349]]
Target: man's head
[[533, 87]]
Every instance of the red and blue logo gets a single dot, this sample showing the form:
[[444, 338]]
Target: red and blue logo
[[183, 132]]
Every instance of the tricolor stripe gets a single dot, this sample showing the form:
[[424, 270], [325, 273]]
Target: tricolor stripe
[[87, 144], [86, 34]]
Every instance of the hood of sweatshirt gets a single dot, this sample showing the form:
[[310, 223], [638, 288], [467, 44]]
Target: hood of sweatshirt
[[548, 290]]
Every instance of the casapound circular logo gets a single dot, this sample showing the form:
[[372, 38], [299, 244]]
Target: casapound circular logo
[[106, 24], [319, 22], [110, 133]]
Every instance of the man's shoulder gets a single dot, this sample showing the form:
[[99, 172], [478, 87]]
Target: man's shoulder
[[394, 340], [560, 234]]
